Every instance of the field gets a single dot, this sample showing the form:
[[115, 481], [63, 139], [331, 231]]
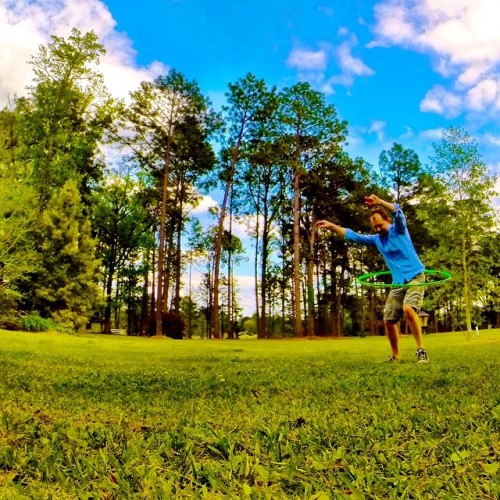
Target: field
[[116, 417]]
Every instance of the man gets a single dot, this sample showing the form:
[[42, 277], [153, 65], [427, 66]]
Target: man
[[394, 243]]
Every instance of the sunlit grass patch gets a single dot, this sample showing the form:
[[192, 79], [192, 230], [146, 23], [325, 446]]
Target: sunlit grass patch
[[120, 417]]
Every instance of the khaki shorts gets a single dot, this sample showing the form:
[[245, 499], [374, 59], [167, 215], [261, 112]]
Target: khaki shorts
[[412, 296]]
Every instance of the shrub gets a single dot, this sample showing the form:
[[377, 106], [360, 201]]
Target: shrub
[[35, 323], [173, 325]]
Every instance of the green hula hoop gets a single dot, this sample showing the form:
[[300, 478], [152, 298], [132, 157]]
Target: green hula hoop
[[443, 276]]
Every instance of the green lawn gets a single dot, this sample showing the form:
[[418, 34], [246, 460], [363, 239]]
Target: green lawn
[[117, 417]]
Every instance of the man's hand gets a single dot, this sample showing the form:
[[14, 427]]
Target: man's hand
[[330, 225], [372, 200], [323, 223]]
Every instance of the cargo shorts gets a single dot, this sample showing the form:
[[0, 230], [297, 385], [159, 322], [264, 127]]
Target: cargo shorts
[[412, 296]]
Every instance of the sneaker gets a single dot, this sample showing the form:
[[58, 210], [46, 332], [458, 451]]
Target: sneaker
[[392, 359], [422, 356]]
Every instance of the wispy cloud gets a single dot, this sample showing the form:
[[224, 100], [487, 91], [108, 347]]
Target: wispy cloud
[[461, 36], [27, 24], [432, 134], [314, 65], [378, 127], [304, 59], [492, 139], [441, 101]]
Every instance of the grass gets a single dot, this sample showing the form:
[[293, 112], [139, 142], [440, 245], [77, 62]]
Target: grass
[[117, 417]]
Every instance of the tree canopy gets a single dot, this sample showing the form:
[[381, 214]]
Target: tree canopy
[[98, 200]]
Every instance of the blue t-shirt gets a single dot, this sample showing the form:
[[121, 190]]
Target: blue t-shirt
[[396, 248]]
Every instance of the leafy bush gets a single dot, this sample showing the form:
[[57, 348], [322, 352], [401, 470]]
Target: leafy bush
[[9, 323], [9, 317], [173, 325], [35, 323]]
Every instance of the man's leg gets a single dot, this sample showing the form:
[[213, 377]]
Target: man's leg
[[392, 328], [412, 303], [392, 313], [415, 325]]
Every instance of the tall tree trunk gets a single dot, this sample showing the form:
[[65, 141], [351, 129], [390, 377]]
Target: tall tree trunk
[[218, 252], [230, 333], [210, 301], [256, 274], [220, 232], [161, 248], [263, 280], [283, 289], [467, 294], [168, 270], [144, 301], [109, 300], [310, 282], [178, 265], [297, 309]]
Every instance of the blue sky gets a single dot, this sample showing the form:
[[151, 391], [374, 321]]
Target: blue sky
[[396, 70]]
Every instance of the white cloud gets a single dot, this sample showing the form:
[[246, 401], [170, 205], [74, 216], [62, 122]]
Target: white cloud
[[393, 26], [484, 95], [304, 59], [441, 101], [463, 38], [27, 24], [493, 139], [432, 133], [204, 205], [378, 127], [350, 66], [313, 64]]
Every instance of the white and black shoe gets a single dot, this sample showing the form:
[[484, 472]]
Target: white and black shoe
[[422, 356]]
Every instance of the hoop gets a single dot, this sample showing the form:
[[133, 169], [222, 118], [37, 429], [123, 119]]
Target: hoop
[[443, 276]]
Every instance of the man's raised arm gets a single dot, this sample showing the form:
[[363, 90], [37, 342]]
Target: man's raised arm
[[324, 224], [374, 200]]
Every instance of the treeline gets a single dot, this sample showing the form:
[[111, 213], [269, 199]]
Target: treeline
[[97, 195]]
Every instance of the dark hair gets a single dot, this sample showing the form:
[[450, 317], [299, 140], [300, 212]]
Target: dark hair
[[382, 212]]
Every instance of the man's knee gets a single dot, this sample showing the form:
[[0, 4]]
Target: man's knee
[[409, 310]]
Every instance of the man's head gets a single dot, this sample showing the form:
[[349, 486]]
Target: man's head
[[380, 221]]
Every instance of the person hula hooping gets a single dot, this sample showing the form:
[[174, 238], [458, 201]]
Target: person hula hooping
[[393, 241]]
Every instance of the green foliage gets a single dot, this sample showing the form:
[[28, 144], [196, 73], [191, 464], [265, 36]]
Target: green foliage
[[456, 207], [65, 287], [17, 220], [35, 323], [65, 114], [17, 223], [117, 417], [399, 168]]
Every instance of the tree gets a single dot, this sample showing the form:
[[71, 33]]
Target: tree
[[260, 186], [65, 285], [158, 114], [122, 223], [399, 168], [17, 250], [65, 115], [332, 189], [312, 135], [457, 210], [248, 106]]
